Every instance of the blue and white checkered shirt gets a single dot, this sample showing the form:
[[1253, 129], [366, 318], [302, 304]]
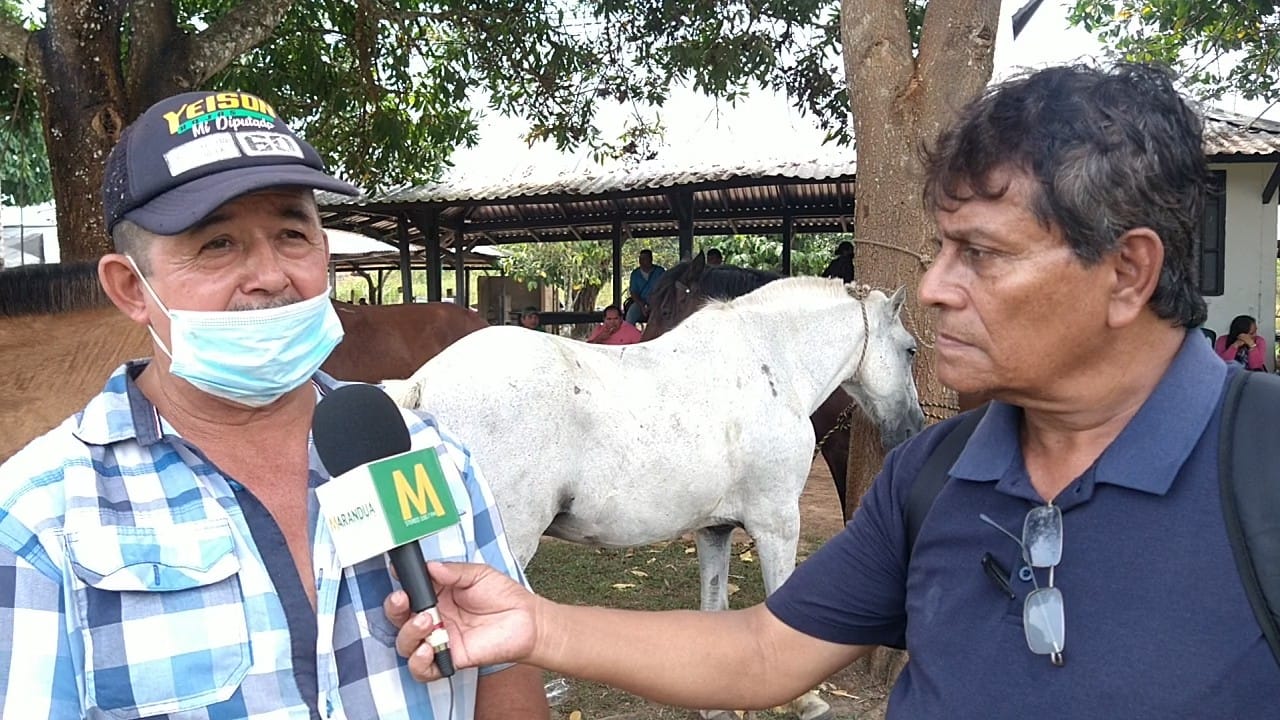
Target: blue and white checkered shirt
[[131, 585]]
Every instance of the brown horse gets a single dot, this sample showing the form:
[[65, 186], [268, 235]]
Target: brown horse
[[60, 337]]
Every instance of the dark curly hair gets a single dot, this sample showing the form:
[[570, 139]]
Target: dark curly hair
[[1109, 150]]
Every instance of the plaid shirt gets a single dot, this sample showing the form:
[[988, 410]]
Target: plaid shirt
[[130, 585]]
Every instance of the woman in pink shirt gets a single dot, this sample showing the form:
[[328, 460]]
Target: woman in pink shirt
[[1241, 344]]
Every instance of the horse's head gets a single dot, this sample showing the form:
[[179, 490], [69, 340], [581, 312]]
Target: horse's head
[[675, 297], [688, 286], [883, 378]]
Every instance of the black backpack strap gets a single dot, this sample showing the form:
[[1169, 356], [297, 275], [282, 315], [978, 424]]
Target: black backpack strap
[[1250, 491], [935, 472]]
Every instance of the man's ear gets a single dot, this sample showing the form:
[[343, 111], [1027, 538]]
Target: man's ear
[[1137, 264], [122, 285]]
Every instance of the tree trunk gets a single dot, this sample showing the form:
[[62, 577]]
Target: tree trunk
[[900, 99], [87, 97]]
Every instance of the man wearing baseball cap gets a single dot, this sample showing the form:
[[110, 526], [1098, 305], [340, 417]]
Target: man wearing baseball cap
[[160, 554]]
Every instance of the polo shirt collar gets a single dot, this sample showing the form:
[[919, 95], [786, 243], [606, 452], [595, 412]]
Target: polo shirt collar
[[1149, 451]]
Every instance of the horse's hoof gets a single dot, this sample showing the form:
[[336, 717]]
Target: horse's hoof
[[719, 715]]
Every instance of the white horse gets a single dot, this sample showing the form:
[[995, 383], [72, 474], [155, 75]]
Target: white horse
[[701, 430]]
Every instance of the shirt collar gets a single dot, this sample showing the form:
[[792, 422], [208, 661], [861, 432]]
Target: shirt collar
[[1149, 451], [122, 412]]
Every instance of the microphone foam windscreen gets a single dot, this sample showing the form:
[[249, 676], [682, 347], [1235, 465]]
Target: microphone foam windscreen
[[357, 424]]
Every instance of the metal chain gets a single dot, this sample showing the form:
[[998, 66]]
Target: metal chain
[[859, 292]]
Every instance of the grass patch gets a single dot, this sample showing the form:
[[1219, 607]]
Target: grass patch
[[654, 577]]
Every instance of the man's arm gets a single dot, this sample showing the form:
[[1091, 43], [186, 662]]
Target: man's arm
[[515, 693], [742, 658]]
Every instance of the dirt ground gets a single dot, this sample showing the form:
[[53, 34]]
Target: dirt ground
[[852, 692]]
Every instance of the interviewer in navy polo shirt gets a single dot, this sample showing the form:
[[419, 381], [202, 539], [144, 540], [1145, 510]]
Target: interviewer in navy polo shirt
[[1067, 204]]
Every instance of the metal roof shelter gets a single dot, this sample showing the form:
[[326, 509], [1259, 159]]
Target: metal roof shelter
[[645, 200], [658, 199]]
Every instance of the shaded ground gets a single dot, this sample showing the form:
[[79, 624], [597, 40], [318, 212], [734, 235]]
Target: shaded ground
[[665, 575]]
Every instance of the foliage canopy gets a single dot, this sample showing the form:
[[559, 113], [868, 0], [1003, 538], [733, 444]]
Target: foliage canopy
[[1218, 47]]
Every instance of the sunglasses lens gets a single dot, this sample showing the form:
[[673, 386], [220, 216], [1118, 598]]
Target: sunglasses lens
[[1042, 536], [1042, 617]]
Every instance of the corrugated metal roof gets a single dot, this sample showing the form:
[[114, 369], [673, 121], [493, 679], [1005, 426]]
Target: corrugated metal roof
[[654, 175], [817, 195]]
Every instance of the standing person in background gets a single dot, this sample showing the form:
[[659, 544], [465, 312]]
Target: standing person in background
[[1242, 344], [715, 257], [841, 266], [643, 280], [614, 330]]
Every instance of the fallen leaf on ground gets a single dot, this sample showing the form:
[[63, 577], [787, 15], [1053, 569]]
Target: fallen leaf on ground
[[747, 557], [575, 715], [639, 573], [623, 586]]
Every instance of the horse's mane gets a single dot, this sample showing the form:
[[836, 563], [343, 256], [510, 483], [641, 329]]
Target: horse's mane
[[719, 281], [768, 293], [51, 288]]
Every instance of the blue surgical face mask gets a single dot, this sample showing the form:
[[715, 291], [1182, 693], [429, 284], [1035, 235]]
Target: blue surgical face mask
[[250, 357]]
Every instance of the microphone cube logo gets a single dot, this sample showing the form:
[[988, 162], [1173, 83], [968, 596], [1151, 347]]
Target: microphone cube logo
[[414, 495], [386, 503]]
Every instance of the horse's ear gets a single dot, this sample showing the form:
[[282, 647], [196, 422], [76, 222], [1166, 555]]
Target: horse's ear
[[696, 266], [895, 302]]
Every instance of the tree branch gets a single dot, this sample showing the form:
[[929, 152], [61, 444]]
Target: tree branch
[[14, 40], [956, 46], [153, 27], [877, 51], [241, 29]]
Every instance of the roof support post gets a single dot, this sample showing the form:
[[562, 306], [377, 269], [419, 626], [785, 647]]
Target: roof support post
[[460, 295], [617, 261], [1273, 183], [682, 207], [788, 234], [406, 272], [428, 222]]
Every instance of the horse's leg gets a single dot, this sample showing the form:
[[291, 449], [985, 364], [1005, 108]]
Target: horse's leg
[[713, 569], [713, 565], [776, 547]]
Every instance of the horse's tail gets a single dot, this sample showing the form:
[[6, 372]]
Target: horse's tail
[[405, 393]]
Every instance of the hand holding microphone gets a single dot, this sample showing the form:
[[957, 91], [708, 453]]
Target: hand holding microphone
[[382, 497]]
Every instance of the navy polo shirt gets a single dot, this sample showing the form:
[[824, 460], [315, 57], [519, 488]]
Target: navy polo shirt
[[1157, 622]]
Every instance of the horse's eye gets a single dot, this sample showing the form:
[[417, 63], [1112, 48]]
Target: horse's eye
[[911, 351]]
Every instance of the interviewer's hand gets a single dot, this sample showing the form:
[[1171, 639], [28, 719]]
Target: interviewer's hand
[[489, 618]]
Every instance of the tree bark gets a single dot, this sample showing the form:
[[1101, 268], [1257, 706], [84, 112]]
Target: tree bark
[[899, 101]]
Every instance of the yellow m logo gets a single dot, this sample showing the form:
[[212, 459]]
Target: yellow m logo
[[417, 499]]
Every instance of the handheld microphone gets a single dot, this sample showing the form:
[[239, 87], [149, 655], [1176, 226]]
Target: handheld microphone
[[383, 496]]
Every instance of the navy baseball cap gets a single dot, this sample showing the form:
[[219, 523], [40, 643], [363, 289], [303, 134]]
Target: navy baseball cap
[[189, 154]]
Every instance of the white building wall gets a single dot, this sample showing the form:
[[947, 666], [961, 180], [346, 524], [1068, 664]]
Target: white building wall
[[1249, 286]]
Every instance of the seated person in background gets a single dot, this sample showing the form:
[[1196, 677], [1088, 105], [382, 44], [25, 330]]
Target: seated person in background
[[614, 330], [1241, 344], [715, 257], [530, 318], [842, 265]]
